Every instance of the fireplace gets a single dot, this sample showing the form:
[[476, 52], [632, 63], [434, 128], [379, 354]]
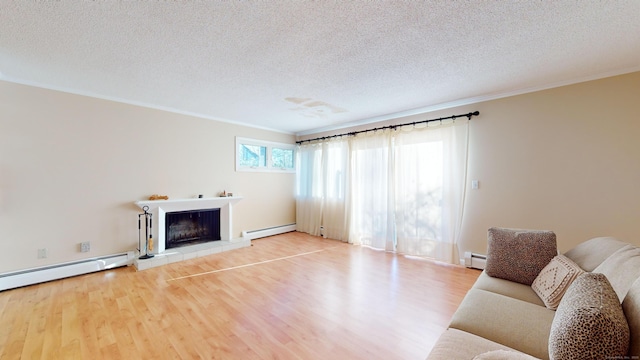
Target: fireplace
[[159, 208], [191, 227]]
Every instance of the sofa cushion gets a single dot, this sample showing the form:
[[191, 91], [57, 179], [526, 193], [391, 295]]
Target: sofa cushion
[[621, 268], [503, 355], [508, 288], [519, 255], [631, 308], [589, 323], [458, 344], [517, 324], [554, 280], [591, 253]]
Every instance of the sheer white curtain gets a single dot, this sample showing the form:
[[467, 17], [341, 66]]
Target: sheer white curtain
[[308, 199], [430, 171], [391, 190], [322, 189], [372, 196]]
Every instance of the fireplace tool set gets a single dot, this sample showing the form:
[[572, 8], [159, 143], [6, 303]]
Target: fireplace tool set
[[148, 237]]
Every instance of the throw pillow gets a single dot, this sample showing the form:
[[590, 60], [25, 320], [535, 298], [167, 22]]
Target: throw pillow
[[504, 355], [519, 255], [589, 323], [554, 280]]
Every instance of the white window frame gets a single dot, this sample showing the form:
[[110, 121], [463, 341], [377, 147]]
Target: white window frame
[[269, 145]]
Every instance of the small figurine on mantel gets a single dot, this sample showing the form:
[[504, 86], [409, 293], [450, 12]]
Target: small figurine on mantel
[[223, 193]]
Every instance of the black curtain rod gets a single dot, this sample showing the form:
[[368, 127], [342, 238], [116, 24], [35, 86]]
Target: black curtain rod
[[353, 133]]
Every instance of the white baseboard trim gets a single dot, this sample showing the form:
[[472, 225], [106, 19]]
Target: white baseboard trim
[[32, 276], [256, 234]]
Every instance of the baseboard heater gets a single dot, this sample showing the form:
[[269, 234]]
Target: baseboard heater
[[275, 230], [32, 276], [475, 261]]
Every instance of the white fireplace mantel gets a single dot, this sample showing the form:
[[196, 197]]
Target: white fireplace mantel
[[158, 209]]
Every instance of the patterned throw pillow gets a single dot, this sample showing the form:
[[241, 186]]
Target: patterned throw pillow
[[519, 255], [554, 280], [589, 323]]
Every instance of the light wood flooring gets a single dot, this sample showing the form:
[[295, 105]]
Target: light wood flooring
[[291, 296]]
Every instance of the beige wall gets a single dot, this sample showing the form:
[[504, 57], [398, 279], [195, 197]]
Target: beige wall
[[71, 168], [565, 159]]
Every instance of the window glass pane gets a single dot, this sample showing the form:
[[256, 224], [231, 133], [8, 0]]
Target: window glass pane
[[264, 156], [253, 155], [282, 158]]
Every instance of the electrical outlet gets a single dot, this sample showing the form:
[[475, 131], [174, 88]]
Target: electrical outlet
[[42, 253], [85, 246]]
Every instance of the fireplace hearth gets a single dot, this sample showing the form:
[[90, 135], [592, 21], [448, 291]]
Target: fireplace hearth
[[191, 227]]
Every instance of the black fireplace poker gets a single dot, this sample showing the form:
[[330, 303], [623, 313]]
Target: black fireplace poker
[[148, 237]]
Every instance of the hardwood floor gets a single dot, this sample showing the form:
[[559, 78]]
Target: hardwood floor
[[291, 296]]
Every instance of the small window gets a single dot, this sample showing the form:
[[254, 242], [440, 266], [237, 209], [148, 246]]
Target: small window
[[282, 158], [258, 155]]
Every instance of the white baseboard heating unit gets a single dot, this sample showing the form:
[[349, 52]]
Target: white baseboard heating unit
[[475, 261], [256, 234], [32, 276]]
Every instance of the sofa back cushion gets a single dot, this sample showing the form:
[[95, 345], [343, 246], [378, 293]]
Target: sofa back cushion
[[519, 255], [591, 253], [504, 355], [621, 268], [590, 322], [631, 307]]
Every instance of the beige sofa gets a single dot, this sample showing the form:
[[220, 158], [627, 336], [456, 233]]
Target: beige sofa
[[505, 319]]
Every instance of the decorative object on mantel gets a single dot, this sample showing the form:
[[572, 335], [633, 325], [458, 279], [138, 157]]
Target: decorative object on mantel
[[158, 197], [148, 236], [224, 193]]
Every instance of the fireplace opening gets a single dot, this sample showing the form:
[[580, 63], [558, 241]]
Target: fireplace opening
[[191, 227]]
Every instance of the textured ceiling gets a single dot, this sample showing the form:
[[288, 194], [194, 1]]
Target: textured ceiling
[[303, 66]]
